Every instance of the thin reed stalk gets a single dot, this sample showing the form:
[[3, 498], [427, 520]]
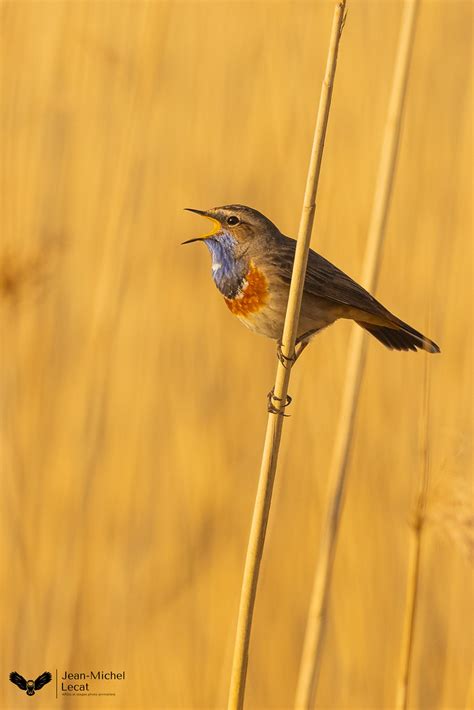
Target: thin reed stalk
[[275, 420], [415, 556], [314, 635]]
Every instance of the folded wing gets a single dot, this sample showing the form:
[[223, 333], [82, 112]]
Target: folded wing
[[350, 300]]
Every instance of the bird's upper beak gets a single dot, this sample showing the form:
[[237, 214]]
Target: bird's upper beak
[[216, 223]]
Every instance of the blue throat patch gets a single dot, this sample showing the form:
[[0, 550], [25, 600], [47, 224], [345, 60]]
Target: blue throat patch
[[228, 271]]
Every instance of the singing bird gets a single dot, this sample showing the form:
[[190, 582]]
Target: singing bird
[[252, 263]]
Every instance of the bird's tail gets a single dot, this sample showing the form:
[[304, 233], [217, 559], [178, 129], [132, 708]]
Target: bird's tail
[[398, 335]]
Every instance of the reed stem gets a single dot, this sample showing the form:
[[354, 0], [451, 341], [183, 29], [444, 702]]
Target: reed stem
[[275, 420], [413, 577], [314, 635]]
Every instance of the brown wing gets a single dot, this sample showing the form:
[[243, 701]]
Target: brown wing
[[324, 280]]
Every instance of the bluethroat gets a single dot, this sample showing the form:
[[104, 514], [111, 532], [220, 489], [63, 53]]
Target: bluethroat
[[252, 263]]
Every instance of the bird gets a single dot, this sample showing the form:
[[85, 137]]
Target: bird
[[30, 685], [252, 263]]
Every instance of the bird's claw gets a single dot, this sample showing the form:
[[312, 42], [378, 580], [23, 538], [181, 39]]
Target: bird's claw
[[271, 407], [284, 359]]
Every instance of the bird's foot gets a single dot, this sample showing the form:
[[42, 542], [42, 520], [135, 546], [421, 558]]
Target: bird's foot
[[300, 346], [284, 359], [271, 407]]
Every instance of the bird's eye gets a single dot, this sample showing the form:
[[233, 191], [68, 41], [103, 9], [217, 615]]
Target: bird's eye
[[232, 220]]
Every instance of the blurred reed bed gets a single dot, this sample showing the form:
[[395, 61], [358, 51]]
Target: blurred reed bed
[[133, 405], [417, 529], [313, 645], [446, 506]]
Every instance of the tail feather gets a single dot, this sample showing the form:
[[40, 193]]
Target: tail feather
[[400, 336]]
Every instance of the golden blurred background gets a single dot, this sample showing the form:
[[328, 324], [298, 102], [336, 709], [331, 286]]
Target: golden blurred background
[[134, 405]]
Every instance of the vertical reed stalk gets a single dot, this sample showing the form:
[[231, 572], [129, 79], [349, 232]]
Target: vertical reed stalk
[[314, 635], [415, 555], [275, 420]]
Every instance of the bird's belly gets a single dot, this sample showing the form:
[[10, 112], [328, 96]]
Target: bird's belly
[[269, 320], [264, 322]]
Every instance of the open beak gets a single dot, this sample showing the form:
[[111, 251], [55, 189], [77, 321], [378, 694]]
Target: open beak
[[216, 223]]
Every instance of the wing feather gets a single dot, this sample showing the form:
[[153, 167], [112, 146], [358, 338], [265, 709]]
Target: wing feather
[[18, 680], [324, 280], [42, 680]]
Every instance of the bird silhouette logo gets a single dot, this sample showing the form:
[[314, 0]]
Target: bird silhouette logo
[[30, 685]]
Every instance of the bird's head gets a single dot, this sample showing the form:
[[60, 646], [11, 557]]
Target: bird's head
[[237, 236], [236, 224]]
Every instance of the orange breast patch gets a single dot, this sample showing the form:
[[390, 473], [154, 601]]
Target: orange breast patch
[[252, 297]]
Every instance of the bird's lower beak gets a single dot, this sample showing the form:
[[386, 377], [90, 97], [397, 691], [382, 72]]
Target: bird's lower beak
[[203, 213], [196, 239]]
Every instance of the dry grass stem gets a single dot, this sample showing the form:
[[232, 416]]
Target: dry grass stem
[[415, 555], [275, 420], [314, 635]]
